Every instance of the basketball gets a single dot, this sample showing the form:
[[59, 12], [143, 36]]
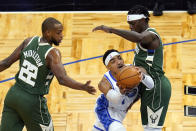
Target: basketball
[[128, 77]]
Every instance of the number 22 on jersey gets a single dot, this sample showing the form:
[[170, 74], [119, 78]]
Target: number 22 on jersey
[[27, 72]]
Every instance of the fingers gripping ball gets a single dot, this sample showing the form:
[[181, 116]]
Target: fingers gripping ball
[[128, 77]]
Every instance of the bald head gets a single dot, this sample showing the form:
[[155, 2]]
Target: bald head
[[52, 31], [49, 24]]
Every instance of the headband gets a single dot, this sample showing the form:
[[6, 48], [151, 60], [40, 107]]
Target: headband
[[110, 56], [135, 17]]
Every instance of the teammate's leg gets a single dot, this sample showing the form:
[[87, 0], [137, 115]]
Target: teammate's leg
[[40, 127], [37, 117], [154, 103], [11, 120]]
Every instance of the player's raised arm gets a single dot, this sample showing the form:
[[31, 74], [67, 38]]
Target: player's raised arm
[[13, 57], [145, 38], [129, 35], [138, 33], [54, 62]]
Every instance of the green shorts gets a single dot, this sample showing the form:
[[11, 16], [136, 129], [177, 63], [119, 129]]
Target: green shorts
[[154, 103], [22, 108]]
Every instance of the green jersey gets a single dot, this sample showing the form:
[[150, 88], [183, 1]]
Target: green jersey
[[151, 60], [34, 76]]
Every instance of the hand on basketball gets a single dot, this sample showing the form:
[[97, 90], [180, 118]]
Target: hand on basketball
[[103, 28], [88, 88], [123, 88], [140, 72], [128, 78]]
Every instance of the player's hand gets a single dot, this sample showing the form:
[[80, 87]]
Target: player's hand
[[123, 88], [88, 88], [103, 28], [140, 72]]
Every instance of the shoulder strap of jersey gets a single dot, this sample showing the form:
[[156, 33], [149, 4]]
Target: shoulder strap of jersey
[[47, 46], [30, 41], [152, 30], [48, 51], [110, 79]]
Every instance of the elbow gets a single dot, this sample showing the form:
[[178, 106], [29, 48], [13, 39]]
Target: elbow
[[61, 81]]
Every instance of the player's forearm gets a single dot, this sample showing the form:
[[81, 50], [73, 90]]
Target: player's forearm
[[148, 81], [4, 65], [129, 35], [69, 82]]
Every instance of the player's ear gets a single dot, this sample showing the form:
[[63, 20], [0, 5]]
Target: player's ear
[[47, 33], [108, 67]]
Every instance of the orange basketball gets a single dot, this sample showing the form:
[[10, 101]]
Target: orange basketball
[[128, 77]]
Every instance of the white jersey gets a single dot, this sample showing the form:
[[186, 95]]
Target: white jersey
[[106, 112]]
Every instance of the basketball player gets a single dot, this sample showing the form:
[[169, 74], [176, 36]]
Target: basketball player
[[112, 106], [149, 55], [25, 103]]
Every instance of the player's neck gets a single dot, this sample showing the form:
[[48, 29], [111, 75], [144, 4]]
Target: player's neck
[[145, 27], [44, 40]]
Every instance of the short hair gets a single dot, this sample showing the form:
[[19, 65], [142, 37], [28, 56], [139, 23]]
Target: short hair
[[107, 53], [49, 23], [139, 9]]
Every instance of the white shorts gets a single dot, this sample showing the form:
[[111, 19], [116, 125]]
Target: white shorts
[[114, 116], [114, 126]]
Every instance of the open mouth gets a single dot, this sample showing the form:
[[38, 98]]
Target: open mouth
[[121, 66]]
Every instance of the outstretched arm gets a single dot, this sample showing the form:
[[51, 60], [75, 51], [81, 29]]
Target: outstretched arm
[[7, 62], [148, 40], [54, 63]]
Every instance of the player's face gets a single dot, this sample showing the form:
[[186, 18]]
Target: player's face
[[136, 25], [116, 64], [56, 34]]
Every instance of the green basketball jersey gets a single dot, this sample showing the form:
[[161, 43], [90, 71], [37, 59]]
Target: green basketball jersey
[[34, 76], [151, 60]]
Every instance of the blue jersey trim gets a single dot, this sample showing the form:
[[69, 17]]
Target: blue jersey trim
[[97, 128], [109, 81], [112, 76], [151, 51], [103, 113], [110, 116]]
